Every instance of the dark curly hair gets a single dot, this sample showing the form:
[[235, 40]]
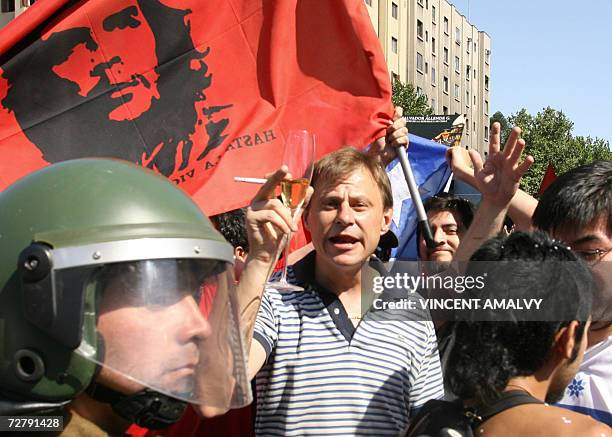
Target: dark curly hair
[[491, 349], [232, 225]]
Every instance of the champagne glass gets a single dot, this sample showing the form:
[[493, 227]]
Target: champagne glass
[[299, 156]]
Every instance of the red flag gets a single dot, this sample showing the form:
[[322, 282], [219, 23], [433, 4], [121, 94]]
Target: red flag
[[199, 91], [548, 178]]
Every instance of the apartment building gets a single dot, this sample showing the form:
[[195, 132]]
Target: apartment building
[[431, 45], [9, 9]]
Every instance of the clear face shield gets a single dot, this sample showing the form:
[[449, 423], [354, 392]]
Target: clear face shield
[[170, 325]]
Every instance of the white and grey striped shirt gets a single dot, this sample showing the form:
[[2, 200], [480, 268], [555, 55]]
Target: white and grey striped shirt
[[325, 377]]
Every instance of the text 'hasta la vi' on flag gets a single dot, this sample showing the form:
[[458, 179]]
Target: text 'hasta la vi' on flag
[[199, 91]]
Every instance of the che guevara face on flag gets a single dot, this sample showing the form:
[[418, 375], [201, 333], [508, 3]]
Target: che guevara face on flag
[[117, 78]]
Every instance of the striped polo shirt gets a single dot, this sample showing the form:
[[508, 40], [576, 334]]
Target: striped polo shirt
[[323, 376]]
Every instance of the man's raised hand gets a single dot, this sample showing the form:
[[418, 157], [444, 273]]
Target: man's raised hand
[[268, 220], [396, 135], [498, 177]]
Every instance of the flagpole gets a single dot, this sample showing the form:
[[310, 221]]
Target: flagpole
[[416, 198]]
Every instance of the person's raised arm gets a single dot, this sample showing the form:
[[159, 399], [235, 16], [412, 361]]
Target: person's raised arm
[[267, 221], [497, 180], [521, 206]]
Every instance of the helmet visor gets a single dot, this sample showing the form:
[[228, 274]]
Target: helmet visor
[[170, 325]]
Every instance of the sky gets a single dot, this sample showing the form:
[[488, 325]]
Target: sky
[[550, 53]]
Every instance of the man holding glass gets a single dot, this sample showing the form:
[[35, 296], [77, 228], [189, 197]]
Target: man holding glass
[[325, 364]]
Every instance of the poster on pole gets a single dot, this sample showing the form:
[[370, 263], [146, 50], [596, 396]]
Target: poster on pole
[[443, 129]]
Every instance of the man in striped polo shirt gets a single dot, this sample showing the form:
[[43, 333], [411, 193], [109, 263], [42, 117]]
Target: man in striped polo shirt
[[326, 362]]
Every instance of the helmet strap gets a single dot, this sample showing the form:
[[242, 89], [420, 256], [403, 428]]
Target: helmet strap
[[147, 408]]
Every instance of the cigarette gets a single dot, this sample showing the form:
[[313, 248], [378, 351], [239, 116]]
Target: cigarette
[[251, 180]]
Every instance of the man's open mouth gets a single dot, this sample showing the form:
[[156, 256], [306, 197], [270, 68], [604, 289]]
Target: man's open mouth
[[343, 241]]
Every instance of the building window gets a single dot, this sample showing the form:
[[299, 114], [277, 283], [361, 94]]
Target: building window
[[368, 2], [393, 10], [393, 44], [458, 36], [426, 4], [486, 106], [433, 14], [426, 36], [420, 2], [487, 55], [445, 55], [419, 91], [457, 64], [419, 62], [474, 103], [446, 25], [444, 110], [467, 126], [433, 76], [467, 98], [433, 45], [475, 46], [446, 84], [467, 72], [474, 73], [426, 68], [7, 5], [419, 29], [486, 82], [456, 92], [486, 132], [395, 77], [433, 104]]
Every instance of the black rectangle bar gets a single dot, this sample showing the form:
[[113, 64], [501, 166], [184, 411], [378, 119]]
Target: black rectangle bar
[[31, 423]]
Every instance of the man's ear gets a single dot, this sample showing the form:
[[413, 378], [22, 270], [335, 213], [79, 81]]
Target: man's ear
[[565, 340], [386, 221], [240, 253]]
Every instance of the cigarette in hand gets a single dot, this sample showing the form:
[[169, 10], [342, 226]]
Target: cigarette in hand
[[250, 180]]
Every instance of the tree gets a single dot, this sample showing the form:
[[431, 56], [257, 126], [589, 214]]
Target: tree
[[404, 95], [505, 127], [548, 138]]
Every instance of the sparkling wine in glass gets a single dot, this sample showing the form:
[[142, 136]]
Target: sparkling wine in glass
[[299, 158]]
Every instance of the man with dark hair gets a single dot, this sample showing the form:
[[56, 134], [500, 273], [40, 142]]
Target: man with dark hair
[[501, 353], [449, 217], [99, 96], [577, 208], [232, 225]]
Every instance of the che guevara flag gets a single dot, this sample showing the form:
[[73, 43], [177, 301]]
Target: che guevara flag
[[199, 91]]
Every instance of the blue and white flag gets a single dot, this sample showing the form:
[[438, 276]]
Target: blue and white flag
[[431, 172]]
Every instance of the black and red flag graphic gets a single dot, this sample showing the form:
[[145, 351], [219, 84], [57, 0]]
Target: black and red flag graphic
[[199, 91]]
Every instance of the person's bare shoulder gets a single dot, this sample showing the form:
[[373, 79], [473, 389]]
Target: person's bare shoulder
[[543, 420], [570, 423], [597, 429]]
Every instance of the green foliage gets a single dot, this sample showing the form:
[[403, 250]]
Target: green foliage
[[505, 127], [548, 138], [405, 95]]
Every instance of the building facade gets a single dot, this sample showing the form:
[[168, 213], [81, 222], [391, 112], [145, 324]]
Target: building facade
[[9, 9], [431, 45]]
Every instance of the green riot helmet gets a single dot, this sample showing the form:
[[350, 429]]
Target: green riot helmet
[[110, 272]]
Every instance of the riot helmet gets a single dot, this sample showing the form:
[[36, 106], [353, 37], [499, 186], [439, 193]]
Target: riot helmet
[[111, 276]]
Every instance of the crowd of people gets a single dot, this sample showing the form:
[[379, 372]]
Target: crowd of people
[[108, 336]]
